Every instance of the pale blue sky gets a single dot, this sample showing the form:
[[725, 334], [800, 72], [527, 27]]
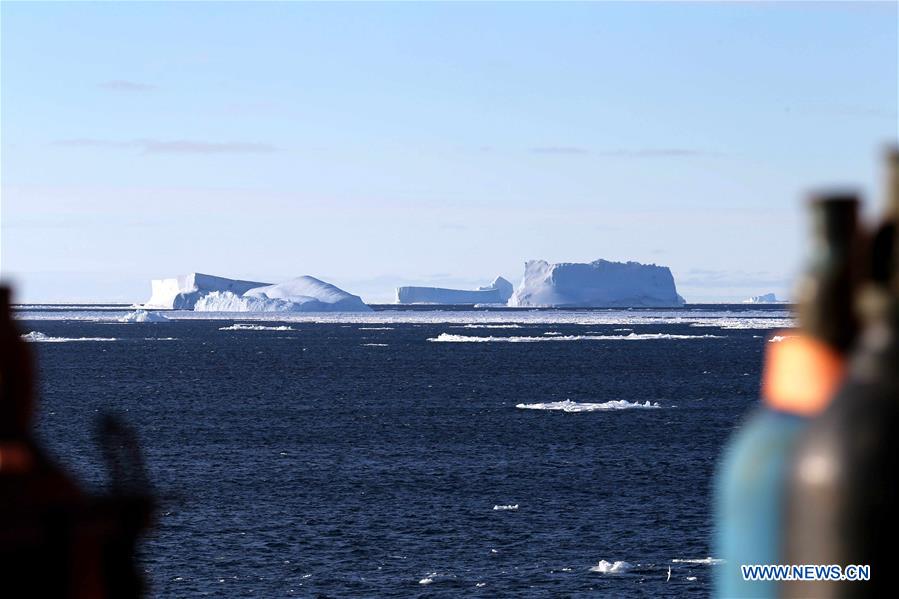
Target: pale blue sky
[[380, 144]]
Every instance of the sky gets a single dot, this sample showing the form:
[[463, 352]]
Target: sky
[[374, 145]]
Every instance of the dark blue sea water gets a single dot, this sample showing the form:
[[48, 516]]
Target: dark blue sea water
[[309, 463]]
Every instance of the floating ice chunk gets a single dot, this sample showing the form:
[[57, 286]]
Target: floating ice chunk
[[505, 508], [143, 316], [239, 326], [702, 560], [604, 567], [571, 406], [38, 337]]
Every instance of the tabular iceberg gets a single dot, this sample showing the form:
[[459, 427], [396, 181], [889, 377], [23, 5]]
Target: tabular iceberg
[[497, 292], [768, 298], [600, 284], [206, 293]]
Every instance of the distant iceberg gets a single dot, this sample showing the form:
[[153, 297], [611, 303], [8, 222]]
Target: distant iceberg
[[600, 284], [768, 298], [497, 292], [182, 293], [206, 293]]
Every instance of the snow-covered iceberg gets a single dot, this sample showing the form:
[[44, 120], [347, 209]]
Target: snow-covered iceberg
[[303, 294], [497, 292], [206, 293], [768, 298], [600, 284], [182, 293]]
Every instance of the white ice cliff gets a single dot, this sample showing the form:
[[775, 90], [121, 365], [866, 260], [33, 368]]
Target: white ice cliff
[[182, 293], [596, 284], [205, 293], [497, 292]]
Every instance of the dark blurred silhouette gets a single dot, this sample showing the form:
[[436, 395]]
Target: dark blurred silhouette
[[56, 540], [801, 372], [843, 502]]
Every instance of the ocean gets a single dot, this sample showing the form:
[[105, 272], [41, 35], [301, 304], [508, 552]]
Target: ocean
[[413, 453]]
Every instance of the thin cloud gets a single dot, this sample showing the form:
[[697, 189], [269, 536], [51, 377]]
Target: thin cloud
[[657, 153], [560, 150], [121, 85], [625, 153], [177, 146]]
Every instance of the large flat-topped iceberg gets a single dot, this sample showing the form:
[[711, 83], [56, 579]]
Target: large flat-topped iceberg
[[497, 292], [182, 293], [600, 284], [205, 293]]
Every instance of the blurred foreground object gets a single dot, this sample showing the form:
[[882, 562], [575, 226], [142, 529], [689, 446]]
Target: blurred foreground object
[[843, 504], [801, 372], [56, 541]]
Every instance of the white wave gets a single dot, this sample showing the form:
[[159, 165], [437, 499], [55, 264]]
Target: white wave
[[143, 316], [38, 337], [703, 560], [480, 584], [428, 579], [375, 328], [489, 326], [505, 508], [572, 406], [255, 327], [779, 338], [374, 345], [552, 333], [604, 567], [747, 323], [622, 329], [450, 338], [691, 578]]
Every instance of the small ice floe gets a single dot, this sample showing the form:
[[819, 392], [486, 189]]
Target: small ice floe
[[505, 508], [480, 584], [450, 338], [239, 326], [691, 578], [429, 579], [702, 560], [494, 551], [38, 337], [143, 316], [618, 567], [572, 406], [779, 338]]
